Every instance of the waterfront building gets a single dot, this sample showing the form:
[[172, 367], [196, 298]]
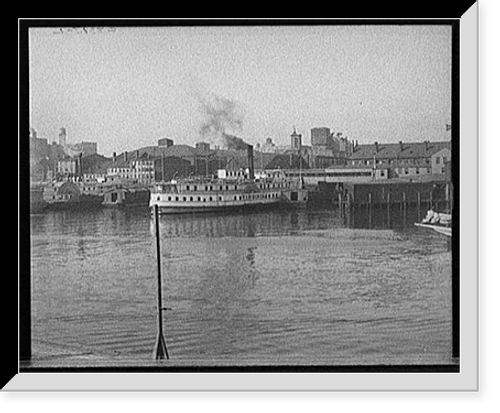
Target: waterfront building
[[344, 174], [133, 167], [404, 159]]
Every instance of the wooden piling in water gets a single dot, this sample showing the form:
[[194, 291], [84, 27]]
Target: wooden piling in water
[[388, 209], [160, 351], [418, 204]]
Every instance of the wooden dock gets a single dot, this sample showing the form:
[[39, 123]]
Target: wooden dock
[[422, 195]]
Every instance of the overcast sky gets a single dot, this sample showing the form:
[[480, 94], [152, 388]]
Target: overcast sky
[[125, 88]]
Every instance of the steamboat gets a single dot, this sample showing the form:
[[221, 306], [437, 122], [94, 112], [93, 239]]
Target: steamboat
[[229, 190]]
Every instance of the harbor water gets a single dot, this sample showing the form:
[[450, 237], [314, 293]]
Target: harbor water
[[275, 287]]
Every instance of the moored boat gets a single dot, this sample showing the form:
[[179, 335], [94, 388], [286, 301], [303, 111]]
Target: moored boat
[[437, 221], [70, 194], [229, 190]]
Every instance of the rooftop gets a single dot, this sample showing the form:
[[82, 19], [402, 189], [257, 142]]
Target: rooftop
[[399, 150]]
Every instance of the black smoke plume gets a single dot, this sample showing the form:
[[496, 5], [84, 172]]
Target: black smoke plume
[[233, 142], [223, 118]]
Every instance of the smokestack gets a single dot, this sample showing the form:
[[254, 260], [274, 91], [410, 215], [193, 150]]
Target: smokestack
[[251, 173], [114, 157], [80, 165], [125, 156], [426, 145], [376, 147], [401, 147]]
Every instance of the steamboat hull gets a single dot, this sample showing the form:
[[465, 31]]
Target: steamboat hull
[[166, 209]]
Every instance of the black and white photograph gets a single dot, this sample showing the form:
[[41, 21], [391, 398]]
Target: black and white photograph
[[258, 197]]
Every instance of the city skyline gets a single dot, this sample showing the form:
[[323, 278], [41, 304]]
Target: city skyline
[[127, 87]]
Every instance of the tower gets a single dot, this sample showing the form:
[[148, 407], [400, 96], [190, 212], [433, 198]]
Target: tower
[[62, 137], [295, 140]]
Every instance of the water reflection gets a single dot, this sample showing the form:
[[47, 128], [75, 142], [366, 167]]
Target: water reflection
[[382, 217], [267, 223], [248, 224], [266, 285]]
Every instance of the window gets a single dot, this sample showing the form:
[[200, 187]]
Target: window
[[195, 188], [199, 198], [184, 198], [438, 159], [169, 198], [190, 198], [187, 188]]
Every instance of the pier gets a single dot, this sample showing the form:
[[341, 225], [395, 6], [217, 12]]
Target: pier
[[422, 195]]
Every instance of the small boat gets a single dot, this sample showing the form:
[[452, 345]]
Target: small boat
[[437, 221], [126, 197]]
